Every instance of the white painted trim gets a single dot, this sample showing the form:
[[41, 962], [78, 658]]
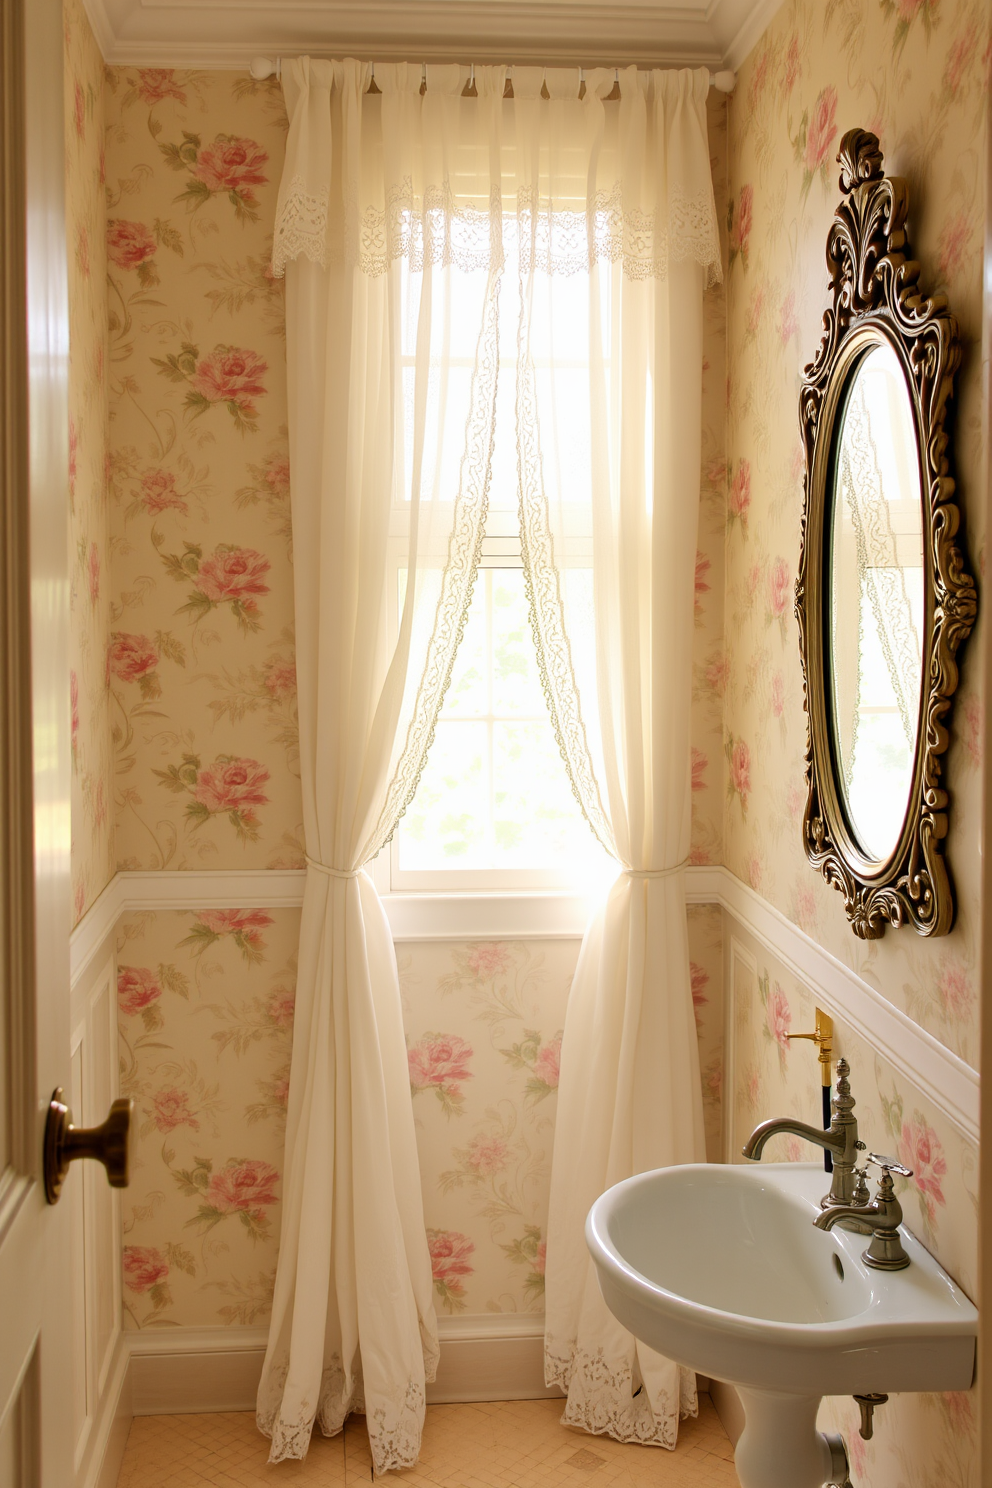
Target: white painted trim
[[227, 33], [87, 940], [274, 888], [105, 1450], [944, 1078], [749, 31], [493, 1356], [103, 32], [735, 953]]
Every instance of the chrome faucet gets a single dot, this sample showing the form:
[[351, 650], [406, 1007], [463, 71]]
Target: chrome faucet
[[841, 1141], [886, 1251]]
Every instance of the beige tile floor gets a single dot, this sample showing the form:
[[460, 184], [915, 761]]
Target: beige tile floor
[[506, 1444]]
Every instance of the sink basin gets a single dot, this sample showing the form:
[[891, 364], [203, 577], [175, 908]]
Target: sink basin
[[720, 1268]]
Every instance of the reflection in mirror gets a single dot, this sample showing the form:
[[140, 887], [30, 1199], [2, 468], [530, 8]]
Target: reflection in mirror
[[876, 598]]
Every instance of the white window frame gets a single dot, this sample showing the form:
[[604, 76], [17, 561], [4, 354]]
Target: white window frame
[[430, 904]]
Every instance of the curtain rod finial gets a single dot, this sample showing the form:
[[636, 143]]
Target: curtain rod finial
[[723, 82], [263, 67]]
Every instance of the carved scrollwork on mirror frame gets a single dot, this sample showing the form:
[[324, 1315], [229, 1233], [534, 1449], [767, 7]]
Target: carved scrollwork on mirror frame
[[884, 598]]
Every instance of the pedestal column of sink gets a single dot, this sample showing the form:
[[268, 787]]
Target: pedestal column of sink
[[780, 1446]]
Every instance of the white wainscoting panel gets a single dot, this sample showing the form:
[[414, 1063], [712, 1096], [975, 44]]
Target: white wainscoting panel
[[100, 1357], [945, 1079], [491, 1357], [739, 962]]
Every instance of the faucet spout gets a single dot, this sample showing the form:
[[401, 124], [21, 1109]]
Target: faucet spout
[[755, 1144], [827, 1218], [841, 1140]]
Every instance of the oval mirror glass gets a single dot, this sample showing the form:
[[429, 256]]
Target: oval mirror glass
[[876, 596]]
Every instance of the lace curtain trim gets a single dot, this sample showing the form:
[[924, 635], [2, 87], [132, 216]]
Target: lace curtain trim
[[432, 229], [301, 228], [605, 1399], [542, 582], [458, 578], [394, 1428]]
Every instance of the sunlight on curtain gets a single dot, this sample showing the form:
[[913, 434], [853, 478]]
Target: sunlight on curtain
[[609, 380], [390, 468], [586, 231]]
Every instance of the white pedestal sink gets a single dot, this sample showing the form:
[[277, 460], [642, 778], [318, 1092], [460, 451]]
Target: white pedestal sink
[[721, 1269]]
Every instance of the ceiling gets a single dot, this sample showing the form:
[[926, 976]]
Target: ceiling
[[228, 33]]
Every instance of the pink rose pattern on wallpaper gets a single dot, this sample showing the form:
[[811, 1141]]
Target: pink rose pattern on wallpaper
[[707, 659], [198, 476], [206, 1014], [90, 600], [924, 1440], [206, 1020], [916, 73], [440, 1062]]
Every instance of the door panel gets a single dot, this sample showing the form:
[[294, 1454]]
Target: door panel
[[35, 1252]]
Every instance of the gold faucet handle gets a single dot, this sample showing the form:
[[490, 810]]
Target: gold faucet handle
[[889, 1164]]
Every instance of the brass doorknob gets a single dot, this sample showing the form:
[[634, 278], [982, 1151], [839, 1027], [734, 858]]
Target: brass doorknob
[[64, 1143]]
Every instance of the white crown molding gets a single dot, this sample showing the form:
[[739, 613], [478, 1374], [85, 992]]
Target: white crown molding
[[740, 28], [228, 33], [103, 31], [944, 1078]]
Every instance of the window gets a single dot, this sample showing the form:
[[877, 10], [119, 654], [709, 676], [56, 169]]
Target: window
[[494, 809]]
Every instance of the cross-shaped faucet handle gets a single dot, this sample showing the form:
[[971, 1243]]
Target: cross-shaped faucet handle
[[889, 1165]]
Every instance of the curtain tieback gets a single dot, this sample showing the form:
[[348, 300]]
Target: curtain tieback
[[656, 872], [333, 872]]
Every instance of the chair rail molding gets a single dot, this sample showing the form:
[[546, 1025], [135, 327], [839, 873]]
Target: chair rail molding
[[943, 1077], [937, 1072]]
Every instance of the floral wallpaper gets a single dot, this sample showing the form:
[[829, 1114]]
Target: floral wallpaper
[[195, 662], [205, 1004], [92, 808], [200, 662], [920, 1441], [203, 716], [917, 74], [709, 653]]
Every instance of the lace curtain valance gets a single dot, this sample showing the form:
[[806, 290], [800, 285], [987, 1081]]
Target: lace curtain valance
[[424, 172]]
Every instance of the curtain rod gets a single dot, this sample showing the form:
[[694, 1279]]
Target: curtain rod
[[264, 67]]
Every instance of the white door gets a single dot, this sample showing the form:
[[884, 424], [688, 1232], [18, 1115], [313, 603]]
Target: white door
[[35, 1262]]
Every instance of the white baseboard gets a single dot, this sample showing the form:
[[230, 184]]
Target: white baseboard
[[198, 1370]]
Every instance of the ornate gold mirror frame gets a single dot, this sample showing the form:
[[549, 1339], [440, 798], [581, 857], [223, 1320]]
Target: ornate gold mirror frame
[[875, 300]]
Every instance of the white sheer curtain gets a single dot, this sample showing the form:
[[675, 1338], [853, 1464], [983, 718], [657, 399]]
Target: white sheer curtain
[[410, 221], [392, 380], [609, 407]]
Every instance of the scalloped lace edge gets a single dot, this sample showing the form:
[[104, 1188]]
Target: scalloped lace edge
[[395, 1427], [604, 1400]]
